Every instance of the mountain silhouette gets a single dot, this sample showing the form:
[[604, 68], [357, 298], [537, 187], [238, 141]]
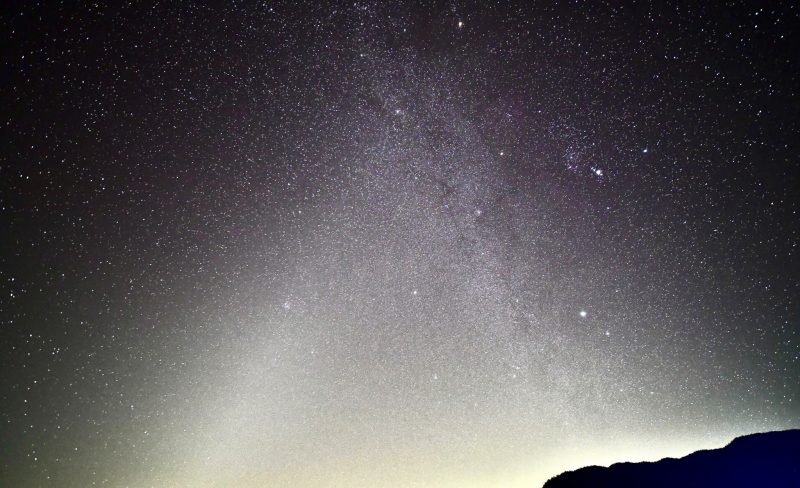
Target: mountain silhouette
[[766, 460]]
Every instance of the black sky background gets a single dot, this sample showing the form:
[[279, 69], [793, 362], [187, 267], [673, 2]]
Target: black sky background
[[167, 169]]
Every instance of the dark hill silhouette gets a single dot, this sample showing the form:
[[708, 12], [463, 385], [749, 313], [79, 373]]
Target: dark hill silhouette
[[768, 460]]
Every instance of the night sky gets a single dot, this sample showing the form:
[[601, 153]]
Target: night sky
[[367, 245]]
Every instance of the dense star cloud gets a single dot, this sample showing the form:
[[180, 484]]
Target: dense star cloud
[[372, 245]]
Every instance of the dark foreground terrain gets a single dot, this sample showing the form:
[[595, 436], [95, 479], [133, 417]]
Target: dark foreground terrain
[[767, 460]]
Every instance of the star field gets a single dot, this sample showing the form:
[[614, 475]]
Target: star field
[[440, 244]]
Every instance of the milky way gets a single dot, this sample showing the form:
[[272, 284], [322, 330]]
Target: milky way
[[278, 244]]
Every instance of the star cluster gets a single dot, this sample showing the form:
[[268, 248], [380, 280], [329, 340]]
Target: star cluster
[[375, 245]]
